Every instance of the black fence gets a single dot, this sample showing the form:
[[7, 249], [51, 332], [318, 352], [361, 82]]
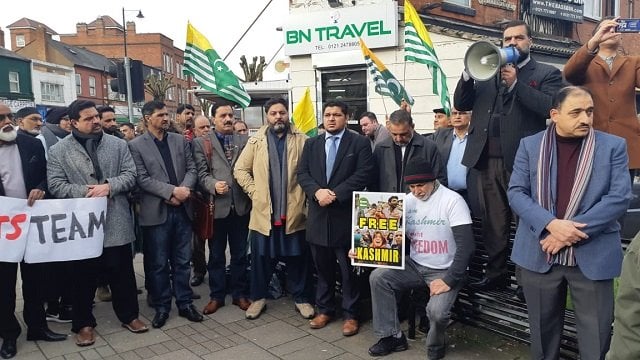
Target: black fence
[[501, 312]]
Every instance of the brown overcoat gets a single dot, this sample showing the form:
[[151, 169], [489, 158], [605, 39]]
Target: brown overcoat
[[614, 95]]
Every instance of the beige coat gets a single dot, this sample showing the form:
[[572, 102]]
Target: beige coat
[[252, 173], [614, 96]]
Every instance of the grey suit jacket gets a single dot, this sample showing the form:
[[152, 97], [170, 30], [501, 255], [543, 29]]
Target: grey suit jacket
[[153, 178], [69, 171], [220, 170], [605, 200]]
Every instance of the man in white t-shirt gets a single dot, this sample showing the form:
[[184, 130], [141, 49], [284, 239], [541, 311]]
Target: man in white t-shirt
[[438, 229]]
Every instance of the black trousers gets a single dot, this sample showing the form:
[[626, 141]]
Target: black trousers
[[325, 258], [198, 257], [33, 292], [117, 265], [497, 216], [59, 288]]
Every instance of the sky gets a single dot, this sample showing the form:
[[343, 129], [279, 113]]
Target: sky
[[221, 21]]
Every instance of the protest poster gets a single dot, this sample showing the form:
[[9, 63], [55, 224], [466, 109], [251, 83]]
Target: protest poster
[[378, 230], [55, 230]]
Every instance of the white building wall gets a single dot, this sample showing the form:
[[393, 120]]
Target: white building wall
[[305, 72], [44, 72]]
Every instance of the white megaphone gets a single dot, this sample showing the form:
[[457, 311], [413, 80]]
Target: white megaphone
[[483, 60]]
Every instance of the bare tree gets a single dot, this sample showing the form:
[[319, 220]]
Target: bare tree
[[205, 105], [157, 86], [253, 71]]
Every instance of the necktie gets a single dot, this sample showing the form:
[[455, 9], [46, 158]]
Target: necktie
[[228, 148], [331, 154]]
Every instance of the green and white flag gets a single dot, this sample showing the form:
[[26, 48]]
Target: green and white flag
[[386, 83], [419, 48], [204, 64]]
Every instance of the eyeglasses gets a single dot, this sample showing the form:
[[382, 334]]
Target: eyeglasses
[[5, 116], [456, 113]]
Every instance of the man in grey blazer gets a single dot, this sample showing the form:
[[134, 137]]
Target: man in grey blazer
[[166, 176], [215, 155], [90, 163], [569, 187], [513, 105], [451, 143]]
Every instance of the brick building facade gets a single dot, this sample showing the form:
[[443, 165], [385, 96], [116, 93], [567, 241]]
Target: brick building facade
[[106, 36]]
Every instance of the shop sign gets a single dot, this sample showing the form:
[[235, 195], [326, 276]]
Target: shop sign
[[500, 4], [339, 29], [562, 10]]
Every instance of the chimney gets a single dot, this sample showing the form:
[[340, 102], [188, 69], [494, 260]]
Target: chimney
[[1, 38], [40, 43], [99, 27], [81, 29], [131, 28]]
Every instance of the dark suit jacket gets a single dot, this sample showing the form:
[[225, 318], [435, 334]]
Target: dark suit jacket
[[385, 176], [523, 111], [444, 140], [153, 179], [331, 225], [34, 165]]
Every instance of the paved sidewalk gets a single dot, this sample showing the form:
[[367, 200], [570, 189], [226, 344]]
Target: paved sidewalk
[[280, 333]]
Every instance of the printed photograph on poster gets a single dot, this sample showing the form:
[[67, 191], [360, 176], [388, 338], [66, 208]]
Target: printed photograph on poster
[[378, 229]]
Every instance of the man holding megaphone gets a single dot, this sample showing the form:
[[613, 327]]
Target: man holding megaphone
[[510, 94]]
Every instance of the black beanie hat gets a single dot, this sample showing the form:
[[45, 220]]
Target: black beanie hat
[[26, 111], [55, 114], [418, 170]]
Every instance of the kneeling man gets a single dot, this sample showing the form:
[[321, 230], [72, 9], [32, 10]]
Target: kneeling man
[[438, 225]]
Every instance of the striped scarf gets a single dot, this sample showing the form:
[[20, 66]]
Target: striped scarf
[[548, 150]]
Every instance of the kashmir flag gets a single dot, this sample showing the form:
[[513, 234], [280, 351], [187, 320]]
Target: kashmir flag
[[419, 48], [386, 83], [204, 64], [304, 115]]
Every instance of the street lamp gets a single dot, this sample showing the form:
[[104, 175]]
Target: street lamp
[[127, 64]]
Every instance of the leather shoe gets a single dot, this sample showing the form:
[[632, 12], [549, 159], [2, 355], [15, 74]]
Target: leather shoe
[[489, 284], [8, 349], [45, 335], [136, 326], [320, 321], [350, 327], [160, 319], [242, 303], [197, 279], [190, 313], [85, 337], [520, 294], [212, 307]]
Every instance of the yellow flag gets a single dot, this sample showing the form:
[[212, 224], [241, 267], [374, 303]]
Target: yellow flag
[[304, 115]]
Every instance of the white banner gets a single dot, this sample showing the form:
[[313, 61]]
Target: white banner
[[55, 230], [14, 223]]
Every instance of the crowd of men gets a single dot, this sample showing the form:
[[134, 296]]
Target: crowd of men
[[287, 197]]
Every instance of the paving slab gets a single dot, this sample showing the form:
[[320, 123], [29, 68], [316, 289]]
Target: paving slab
[[273, 334], [279, 333]]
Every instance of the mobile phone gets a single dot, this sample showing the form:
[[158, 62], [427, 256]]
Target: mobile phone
[[628, 26]]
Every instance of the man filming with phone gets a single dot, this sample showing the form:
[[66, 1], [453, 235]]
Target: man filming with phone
[[509, 106], [612, 77]]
